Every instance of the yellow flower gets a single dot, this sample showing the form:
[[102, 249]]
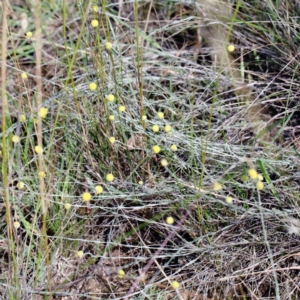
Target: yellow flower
[[108, 45], [164, 162], [252, 173], [92, 86], [144, 117], [229, 199], [244, 178], [110, 177], [67, 206], [86, 197], [35, 121], [121, 274], [122, 108], [42, 174], [24, 75], [94, 23], [110, 97], [15, 139], [259, 185], [230, 48], [169, 220], [217, 186], [80, 254], [29, 34], [174, 148], [22, 118], [260, 177], [111, 117], [175, 284], [43, 112], [160, 115], [95, 8], [98, 189], [155, 128], [156, 149], [168, 128], [17, 225], [112, 139], [38, 149], [141, 182], [20, 185]]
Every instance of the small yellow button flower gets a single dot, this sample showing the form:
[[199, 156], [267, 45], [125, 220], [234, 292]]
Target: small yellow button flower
[[17, 225], [20, 185], [98, 189], [229, 199], [168, 128], [43, 112], [160, 115], [110, 177], [110, 97], [155, 128], [68, 206], [94, 23], [230, 48], [29, 34], [112, 139], [80, 254], [38, 149], [164, 162], [169, 220], [86, 197], [24, 75], [175, 284], [144, 117], [260, 177], [173, 148], [156, 149], [15, 139], [121, 274], [244, 178], [111, 117], [42, 174], [108, 45], [95, 8], [122, 108], [217, 186], [22, 118], [35, 121], [259, 185], [92, 86], [252, 173], [141, 182]]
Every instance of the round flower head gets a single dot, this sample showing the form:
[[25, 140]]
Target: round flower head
[[156, 149], [244, 178], [22, 118], [111, 117], [92, 86], [67, 206], [24, 75], [15, 139], [94, 23], [252, 173], [141, 182], [110, 177], [217, 186], [42, 174], [175, 284], [144, 117], [121, 274], [20, 185], [98, 189], [38, 149], [110, 97], [112, 139], [260, 177], [168, 128], [160, 115], [164, 162], [230, 48], [122, 108], [259, 185], [155, 128], [108, 45], [43, 112], [173, 148], [229, 199], [29, 34], [95, 8], [80, 254], [17, 225], [169, 220], [86, 197]]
